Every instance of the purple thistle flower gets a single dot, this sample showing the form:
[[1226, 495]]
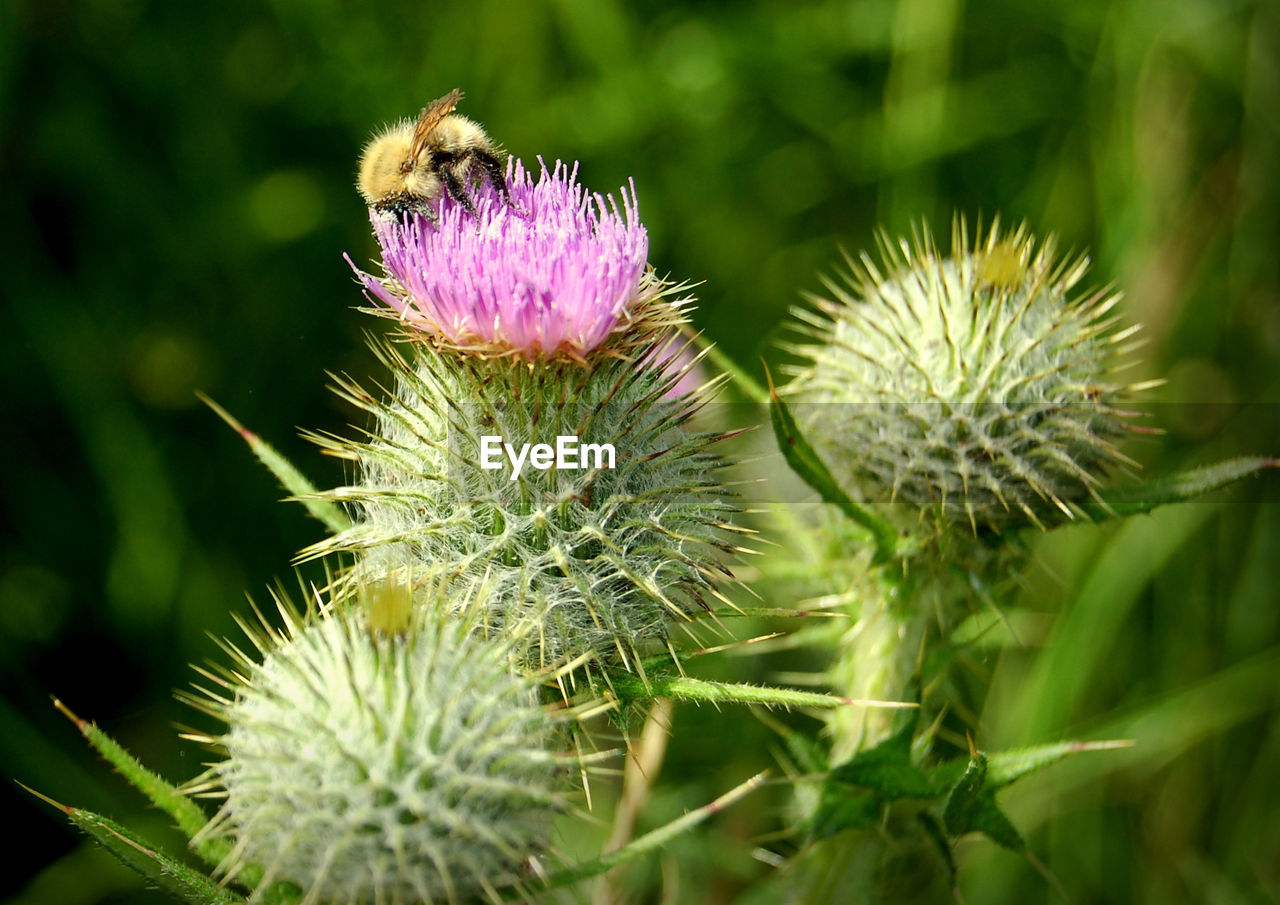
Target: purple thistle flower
[[551, 274]]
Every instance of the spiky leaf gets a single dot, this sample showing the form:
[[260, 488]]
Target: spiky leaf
[[162, 870], [961, 799], [1177, 488], [189, 816], [806, 463], [293, 480]]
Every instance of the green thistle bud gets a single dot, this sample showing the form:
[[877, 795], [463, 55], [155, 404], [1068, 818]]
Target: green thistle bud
[[366, 766], [974, 386], [602, 552]]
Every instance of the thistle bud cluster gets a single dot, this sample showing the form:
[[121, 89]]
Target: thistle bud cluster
[[396, 747], [951, 399]]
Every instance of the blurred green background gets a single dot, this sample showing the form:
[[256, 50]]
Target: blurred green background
[[177, 197]]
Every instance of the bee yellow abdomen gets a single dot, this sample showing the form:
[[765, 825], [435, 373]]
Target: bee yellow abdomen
[[457, 133]]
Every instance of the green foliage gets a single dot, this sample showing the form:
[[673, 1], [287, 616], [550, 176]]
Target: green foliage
[[1176, 488], [172, 877], [856, 792], [179, 194], [189, 817], [631, 688]]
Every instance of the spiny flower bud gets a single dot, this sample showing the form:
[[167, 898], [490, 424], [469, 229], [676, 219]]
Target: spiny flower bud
[[372, 766], [575, 492], [974, 386]]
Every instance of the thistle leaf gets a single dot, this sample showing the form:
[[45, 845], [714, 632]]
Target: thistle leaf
[[856, 792], [886, 768], [1005, 767], [189, 817], [890, 779], [808, 755], [630, 687], [843, 808], [170, 876], [301, 490], [804, 461], [957, 815], [985, 816], [935, 833], [1177, 488]]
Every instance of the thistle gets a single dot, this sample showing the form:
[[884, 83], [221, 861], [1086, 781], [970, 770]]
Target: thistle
[[974, 391], [537, 323], [541, 271], [975, 386], [365, 765]]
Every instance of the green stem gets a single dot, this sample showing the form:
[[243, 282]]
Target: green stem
[[650, 841], [877, 659], [630, 687]]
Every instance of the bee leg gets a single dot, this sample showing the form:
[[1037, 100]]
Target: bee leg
[[400, 210], [495, 170], [448, 166]]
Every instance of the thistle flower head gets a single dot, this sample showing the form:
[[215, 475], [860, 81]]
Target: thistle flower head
[[550, 272], [370, 766], [975, 386]]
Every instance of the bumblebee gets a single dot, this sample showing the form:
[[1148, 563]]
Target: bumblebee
[[408, 166]]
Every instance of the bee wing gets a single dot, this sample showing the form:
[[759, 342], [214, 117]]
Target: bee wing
[[428, 119]]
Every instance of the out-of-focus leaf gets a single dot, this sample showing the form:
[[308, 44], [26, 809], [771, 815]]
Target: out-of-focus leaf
[[934, 830], [806, 751], [1007, 766], [843, 807], [1177, 488], [985, 816], [956, 815]]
